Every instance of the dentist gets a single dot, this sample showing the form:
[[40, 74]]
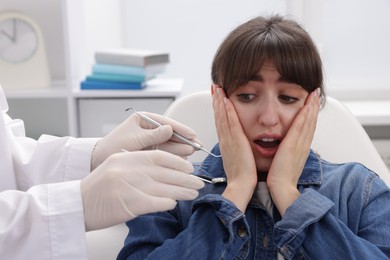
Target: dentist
[[54, 189]]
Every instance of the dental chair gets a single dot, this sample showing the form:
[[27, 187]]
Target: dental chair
[[339, 137]]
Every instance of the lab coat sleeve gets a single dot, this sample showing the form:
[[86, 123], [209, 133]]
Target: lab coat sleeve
[[41, 211], [46, 222], [50, 159]]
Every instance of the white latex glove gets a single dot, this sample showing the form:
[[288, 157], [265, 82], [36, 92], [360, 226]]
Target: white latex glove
[[136, 134], [130, 184]]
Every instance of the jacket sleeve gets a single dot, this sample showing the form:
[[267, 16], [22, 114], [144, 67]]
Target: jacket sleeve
[[314, 227], [46, 222], [211, 232]]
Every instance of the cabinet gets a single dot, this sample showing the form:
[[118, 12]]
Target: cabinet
[[99, 112], [73, 31]]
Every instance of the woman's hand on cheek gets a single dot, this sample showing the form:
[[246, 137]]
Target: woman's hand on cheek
[[238, 160], [292, 154]]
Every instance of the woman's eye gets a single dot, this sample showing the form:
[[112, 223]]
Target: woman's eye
[[288, 99], [245, 97]]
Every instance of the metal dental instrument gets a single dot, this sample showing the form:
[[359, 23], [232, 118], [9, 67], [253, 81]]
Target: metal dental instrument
[[178, 136], [215, 180]]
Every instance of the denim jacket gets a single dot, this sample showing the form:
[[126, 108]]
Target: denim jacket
[[343, 212]]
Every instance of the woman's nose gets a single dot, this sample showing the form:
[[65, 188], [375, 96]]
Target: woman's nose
[[269, 114]]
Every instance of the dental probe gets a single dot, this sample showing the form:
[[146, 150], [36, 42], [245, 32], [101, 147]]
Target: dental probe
[[178, 136], [215, 180]]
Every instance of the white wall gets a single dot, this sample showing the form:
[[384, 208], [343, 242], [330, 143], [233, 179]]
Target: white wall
[[353, 36], [92, 25], [103, 26], [356, 40]]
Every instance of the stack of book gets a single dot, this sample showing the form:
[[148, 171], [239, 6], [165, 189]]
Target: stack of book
[[125, 69]]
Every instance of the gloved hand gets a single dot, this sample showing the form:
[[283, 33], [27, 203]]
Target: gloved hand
[[136, 134], [129, 184]]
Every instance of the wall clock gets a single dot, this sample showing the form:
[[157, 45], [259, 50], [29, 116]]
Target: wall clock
[[23, 60]]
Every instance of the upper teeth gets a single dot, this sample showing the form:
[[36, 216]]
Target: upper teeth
[[268, 139]]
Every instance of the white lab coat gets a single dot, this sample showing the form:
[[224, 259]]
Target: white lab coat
[[41, 213]]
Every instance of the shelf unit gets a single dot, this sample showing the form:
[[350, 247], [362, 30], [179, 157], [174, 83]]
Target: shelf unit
[[87, 113], [73, 31]]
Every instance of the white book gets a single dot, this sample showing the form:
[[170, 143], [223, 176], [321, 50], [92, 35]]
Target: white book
[[132, 57]]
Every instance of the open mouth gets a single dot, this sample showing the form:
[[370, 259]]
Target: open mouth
[[268, 143]]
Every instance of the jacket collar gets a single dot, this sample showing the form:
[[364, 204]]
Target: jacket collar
[[311, 174]]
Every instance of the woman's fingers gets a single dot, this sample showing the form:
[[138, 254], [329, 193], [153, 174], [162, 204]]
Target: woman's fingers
[[238, 160], [292, 154], [221, 117], [303, 127]]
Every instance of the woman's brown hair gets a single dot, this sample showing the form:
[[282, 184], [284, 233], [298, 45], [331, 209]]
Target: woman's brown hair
[[281, 41]]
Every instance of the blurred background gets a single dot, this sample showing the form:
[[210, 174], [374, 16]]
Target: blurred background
[[353, 37]]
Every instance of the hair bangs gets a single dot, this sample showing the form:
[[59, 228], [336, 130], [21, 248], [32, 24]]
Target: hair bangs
[[282, 42], [248, 60]]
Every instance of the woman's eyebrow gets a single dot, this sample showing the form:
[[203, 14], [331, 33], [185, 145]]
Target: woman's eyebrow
[[256, 77]]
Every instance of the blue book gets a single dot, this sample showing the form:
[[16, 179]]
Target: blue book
[[147, 71], [117, 77], [96, 84]]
